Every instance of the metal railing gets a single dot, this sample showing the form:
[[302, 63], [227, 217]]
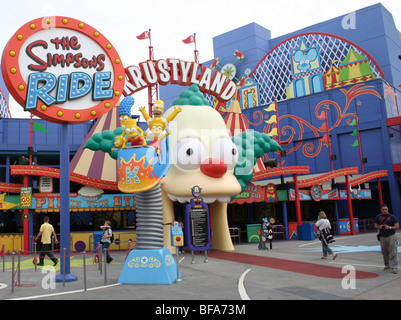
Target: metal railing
[[235, 234], [100, 258]]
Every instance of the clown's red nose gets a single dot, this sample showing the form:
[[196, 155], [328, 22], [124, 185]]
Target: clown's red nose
[[215, 168]]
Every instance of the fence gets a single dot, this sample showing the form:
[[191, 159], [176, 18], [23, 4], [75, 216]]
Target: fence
[[12, 241], [79, 241], [98, 255]]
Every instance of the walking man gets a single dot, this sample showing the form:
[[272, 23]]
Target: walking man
[[387, 224], [106, 239], [46, 231]]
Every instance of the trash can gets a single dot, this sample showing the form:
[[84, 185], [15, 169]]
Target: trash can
[[97, 236], [252, 231], [306, 231]]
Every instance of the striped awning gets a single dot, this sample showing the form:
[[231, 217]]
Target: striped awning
[[236, 122], [103, 209], [97, 164]]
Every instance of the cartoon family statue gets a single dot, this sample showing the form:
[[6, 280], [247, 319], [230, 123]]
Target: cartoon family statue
[[210, 158], [157, 125], [133, 135]]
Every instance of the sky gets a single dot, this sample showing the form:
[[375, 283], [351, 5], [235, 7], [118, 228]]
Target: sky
[[174, 20]]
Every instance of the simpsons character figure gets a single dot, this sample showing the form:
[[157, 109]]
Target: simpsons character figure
[[157, 125], [132, 134]]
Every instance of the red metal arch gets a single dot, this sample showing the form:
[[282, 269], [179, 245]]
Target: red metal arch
[[7, 109], [273, 72], [323, 34]]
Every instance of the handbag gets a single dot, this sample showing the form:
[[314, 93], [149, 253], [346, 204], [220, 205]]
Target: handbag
[[326, 236]]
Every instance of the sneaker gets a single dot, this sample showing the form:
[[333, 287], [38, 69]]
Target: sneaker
[[394, 270], [386, 268], [39, 264], [335, 255], [55, 263]]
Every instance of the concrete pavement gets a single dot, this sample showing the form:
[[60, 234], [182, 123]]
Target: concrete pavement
[[293, 270]]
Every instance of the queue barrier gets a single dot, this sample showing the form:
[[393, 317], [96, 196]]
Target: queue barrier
[[99, 258]]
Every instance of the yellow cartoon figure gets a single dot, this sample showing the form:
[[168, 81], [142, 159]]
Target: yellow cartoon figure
[[134, 135], [119, 141], [157, 125], [124, 109]]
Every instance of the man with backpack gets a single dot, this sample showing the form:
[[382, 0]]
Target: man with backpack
[[387, 225], [107, 239]]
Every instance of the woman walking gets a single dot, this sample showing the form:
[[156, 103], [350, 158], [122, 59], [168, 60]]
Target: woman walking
[[324, 227]]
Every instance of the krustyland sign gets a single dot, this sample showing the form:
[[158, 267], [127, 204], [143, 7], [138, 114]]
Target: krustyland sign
[[184, 73], [62, 70]]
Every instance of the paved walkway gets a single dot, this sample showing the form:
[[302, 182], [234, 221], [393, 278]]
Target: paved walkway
[[293, 270]]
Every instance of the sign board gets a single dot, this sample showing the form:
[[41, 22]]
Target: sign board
[[254, 193], [26, 197], [45, 184], [183, 73], [62, 70], [335, 194], [197, 230], [104, 201], [362, 194]]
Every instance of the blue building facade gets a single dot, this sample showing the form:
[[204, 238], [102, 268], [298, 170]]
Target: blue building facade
[[329, 93], [15, 140]]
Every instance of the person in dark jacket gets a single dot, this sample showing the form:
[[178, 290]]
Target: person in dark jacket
[[387, 224]]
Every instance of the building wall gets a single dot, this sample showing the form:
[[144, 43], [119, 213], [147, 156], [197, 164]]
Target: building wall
[[371, 29], [15, 140]]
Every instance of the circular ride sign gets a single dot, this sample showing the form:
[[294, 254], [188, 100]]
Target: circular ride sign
[[62, 70]]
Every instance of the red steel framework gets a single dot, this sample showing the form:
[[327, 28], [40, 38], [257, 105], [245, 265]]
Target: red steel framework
[[4, 108]]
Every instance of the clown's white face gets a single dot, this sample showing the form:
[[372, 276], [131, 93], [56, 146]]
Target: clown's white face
[[203, 154]]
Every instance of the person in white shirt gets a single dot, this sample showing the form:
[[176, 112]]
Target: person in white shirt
[[107, 233], [324, 224]]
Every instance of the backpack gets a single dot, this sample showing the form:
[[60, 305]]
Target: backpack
[[112, 238]]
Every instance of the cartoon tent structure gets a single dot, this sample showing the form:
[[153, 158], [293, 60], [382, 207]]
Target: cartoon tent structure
[[236, 122], [353, 69], [355, 66], [98, 166], [331, 77]]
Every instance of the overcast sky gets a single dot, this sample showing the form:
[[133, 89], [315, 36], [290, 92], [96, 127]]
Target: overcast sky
[[171, 21]]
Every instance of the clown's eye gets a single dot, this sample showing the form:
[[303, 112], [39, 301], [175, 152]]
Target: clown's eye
[[226, 150], [189, 153]]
